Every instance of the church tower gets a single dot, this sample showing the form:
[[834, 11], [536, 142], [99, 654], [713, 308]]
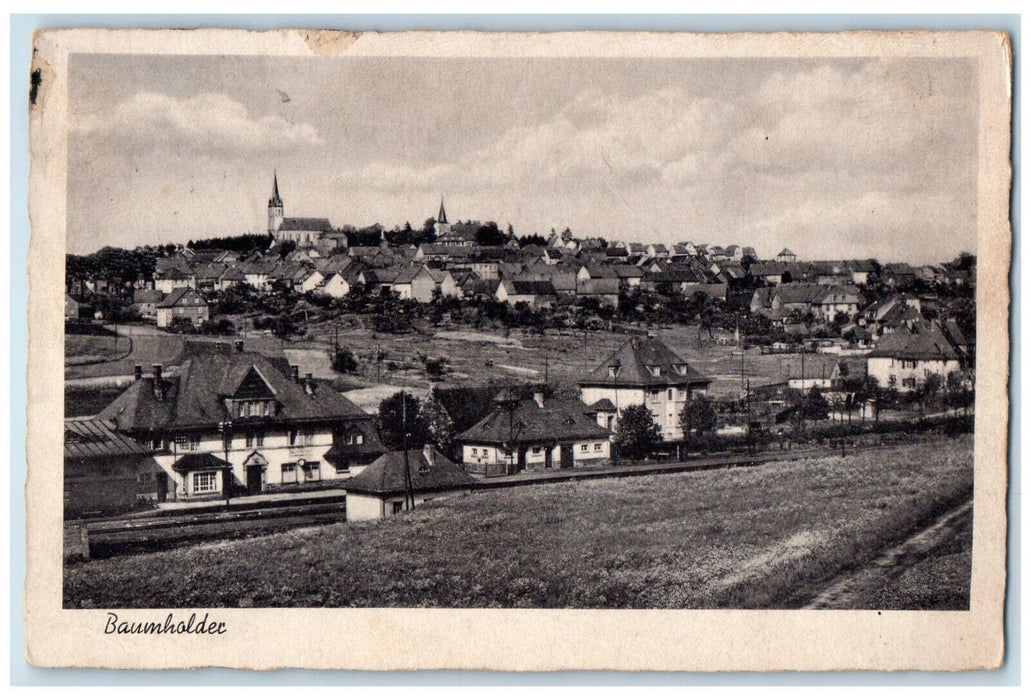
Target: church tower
[[442, 226], [275, 207]]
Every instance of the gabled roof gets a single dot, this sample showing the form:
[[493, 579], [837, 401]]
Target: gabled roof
[[528, 422], [194, 397], [305, 223], [635, 357], [529, 287], [182, 296], [386, 476], [915, 341]]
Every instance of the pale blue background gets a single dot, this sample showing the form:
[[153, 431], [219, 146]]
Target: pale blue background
[[22, 27]]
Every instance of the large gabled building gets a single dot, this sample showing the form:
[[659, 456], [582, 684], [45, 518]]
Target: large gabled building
[[230, 421], [644, 371], [905, 358]]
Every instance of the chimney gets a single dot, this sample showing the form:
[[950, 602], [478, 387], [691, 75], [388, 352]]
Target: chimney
[[137, 372], [429, 453], [295, 372], [159, 389], [239, 345], [538, 396]]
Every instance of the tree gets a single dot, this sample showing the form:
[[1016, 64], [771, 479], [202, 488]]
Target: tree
[[439, 426], [815, 405], [402, 409], [637, 434], [490, 235], [698, 417]]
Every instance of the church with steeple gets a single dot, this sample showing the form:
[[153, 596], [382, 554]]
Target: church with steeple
[[446, 232], [305, 231]]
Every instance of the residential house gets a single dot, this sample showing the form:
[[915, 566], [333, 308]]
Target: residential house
[[786, 256], [835, 300], [605, 290], [231, 422], [379, 490], [533, 434], [71, 307], [174, 278], [905, 358], [646, 371], [336, 285], [146, 301], [182, 302], [534, 293]]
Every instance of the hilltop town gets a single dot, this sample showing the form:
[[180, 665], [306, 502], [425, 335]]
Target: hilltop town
[[312, 357]]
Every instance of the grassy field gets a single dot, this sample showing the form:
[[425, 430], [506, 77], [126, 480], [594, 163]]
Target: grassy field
[[480, 356], [758, 537]]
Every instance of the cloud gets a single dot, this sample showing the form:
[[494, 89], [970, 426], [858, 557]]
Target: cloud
[[209, 123]]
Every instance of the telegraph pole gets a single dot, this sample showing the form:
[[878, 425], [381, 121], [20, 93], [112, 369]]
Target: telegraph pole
[[409, 496]]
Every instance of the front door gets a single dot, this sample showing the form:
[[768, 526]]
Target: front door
[[254, 473], [548, 461], [567, 457]]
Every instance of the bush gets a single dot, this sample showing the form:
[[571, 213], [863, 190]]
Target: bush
[[345, 362]]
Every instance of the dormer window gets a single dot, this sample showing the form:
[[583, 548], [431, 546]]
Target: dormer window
[[613, 371], [681, 369], [655, 370]]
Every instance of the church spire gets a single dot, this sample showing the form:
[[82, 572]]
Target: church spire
[[442, 215], [276, 200]]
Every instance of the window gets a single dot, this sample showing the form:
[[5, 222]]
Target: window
[[597, 447], [187, 443], [909, 382], [397, 507], [669, 394], [681, 395], [583, 447], [474, 452], [536, 450], [289, 473], [205, 482], [312, 471]]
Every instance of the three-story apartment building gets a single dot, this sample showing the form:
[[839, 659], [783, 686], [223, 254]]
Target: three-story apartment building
[[644, 371]]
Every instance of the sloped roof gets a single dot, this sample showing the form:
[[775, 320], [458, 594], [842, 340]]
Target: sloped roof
[[634, 358], [799, 293], [198, 460], [182, 296], [916, 341], [527, 422], [305, 223], [386, 476], [530, 287], [147, 296], [604, 285], [97, 438], [194, 397]]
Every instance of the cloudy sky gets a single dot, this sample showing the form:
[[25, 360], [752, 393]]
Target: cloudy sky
[[832, 158]]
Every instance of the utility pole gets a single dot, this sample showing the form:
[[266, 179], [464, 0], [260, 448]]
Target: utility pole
[[409, 496]]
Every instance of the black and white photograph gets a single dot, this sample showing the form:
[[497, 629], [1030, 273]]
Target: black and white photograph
[[673, 332]]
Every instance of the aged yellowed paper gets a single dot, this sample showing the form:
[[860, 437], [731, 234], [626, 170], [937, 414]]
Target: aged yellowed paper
[[719, 422]]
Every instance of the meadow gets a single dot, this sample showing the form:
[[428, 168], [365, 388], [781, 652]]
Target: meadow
[[769, 536]]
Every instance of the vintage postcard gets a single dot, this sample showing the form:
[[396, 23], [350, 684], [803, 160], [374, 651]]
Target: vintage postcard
[[631, 351]]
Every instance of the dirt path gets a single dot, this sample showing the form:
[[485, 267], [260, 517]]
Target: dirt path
[[848, 590]]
